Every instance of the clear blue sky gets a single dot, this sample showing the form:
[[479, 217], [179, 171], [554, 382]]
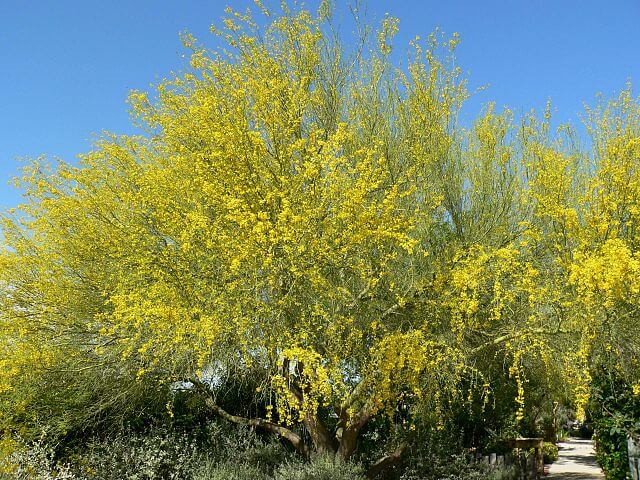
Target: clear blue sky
[[66, 65]]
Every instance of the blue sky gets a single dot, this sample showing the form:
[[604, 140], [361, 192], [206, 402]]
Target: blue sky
[[66, 66]]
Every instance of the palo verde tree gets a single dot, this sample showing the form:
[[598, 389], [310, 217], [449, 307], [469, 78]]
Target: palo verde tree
[[305, 215]]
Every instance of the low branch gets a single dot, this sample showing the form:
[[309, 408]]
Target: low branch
[[261, 423], [386, 461]]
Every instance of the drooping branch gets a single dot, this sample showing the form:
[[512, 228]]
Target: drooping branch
[[323, 440]]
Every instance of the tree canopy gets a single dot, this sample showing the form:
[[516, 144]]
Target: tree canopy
[[302, 216]]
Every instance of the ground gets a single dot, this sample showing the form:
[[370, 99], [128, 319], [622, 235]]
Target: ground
[[576, 461]]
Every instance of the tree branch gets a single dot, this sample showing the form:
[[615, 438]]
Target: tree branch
[[513, 336], [386, 461], [266, 425]]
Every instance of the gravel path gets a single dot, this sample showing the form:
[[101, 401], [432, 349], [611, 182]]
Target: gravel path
[[576, 461]]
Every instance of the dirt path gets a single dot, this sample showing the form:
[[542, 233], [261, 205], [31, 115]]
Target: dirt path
[[576, 461]]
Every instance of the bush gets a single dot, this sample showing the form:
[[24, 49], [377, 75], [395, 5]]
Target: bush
[[450, 467], [211, 470], [228, 445], [550, 452], [211, 451], [614, 410], [504, 473], [267, 457], [611, 450], [321, 468], [159, 453], [35, 461]]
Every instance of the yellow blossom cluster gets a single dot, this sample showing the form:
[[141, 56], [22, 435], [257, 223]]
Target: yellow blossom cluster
[[317, 220]]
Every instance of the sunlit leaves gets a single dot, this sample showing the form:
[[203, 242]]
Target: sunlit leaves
[[303, 212]]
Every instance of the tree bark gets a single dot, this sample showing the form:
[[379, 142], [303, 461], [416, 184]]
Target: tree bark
[[348, 442], [323, 440], [386, 462], [351, 431]]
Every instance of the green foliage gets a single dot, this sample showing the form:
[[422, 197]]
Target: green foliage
[[611, 450], [615, 411], [37, 462], [156, 454], [497, 442], [550, 452], [504, 473], [307, 240], [456, 467], [229, 471], [320, 468], [243, 468], [562, 434], [150, 456], [211, 451], [439, 454]]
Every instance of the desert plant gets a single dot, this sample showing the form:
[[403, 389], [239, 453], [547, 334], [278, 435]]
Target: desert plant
[[323, 467], [156, 454], [211, 470]]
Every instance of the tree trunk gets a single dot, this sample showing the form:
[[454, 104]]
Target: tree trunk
[[351, 430], [348, 442], [323, 441]]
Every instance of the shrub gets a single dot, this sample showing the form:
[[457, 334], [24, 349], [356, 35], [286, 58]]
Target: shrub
[[614, 409], [211, 470], [504, 473], [211, 451], [451, 467], [35, 461], [320, 468], [550, 452], [611, 450], [159, 453], [267, 457], [227, 444]]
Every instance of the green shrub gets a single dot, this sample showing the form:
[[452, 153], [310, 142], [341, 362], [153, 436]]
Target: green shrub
[[504, 473], [159, 453], [211, 470], [36, 461], [320, 468], [611, 450], [267, 456], [446, 467], [227, 444], [614, 410], [563, 434], [550, 452]]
